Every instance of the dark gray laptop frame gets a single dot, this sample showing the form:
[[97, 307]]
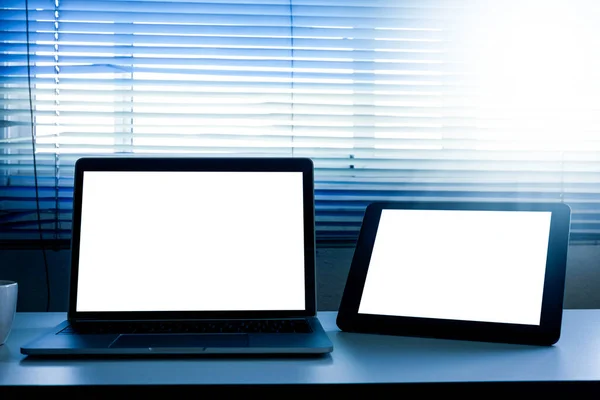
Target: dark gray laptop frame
[[303, 165]]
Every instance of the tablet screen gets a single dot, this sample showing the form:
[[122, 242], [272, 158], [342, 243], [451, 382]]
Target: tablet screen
[[469, 265]]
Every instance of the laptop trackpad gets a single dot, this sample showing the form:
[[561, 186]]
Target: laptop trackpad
[[171, 340]]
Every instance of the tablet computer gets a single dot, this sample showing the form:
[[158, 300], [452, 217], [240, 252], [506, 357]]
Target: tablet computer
[[482, 271]]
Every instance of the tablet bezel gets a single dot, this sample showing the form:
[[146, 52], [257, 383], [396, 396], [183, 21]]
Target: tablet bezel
[[547, 333]]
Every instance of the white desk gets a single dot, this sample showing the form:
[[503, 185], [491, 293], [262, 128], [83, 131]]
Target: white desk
[[386, 361]]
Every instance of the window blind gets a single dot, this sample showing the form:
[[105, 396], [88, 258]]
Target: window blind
[[392, 99]]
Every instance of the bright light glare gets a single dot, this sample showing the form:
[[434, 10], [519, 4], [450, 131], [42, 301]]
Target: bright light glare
[[534, 71]]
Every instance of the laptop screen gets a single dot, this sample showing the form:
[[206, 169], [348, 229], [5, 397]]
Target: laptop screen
[[471, 265], [191, 241]]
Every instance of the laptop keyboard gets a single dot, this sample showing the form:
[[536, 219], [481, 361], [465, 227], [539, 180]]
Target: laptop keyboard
[[238, 326]]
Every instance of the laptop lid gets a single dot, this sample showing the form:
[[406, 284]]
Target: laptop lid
[[192, 238]]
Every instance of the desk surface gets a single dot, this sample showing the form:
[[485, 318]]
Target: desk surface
[[356, 358]]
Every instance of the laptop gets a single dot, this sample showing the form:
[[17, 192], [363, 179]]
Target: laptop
[[190, 256]]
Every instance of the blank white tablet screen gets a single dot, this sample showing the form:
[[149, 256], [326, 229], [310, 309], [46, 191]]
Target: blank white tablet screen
[[484, 266]]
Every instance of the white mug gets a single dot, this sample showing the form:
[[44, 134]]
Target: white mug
[[8, 308]]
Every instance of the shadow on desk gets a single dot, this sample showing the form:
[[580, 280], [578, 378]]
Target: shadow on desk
[[37, 361], [415, 359], [407, 345]]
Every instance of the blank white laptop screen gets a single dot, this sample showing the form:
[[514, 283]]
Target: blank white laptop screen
[[191, 241], [484, 266]]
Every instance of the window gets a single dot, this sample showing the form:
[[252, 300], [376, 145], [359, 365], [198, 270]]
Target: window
[[392, 99]]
